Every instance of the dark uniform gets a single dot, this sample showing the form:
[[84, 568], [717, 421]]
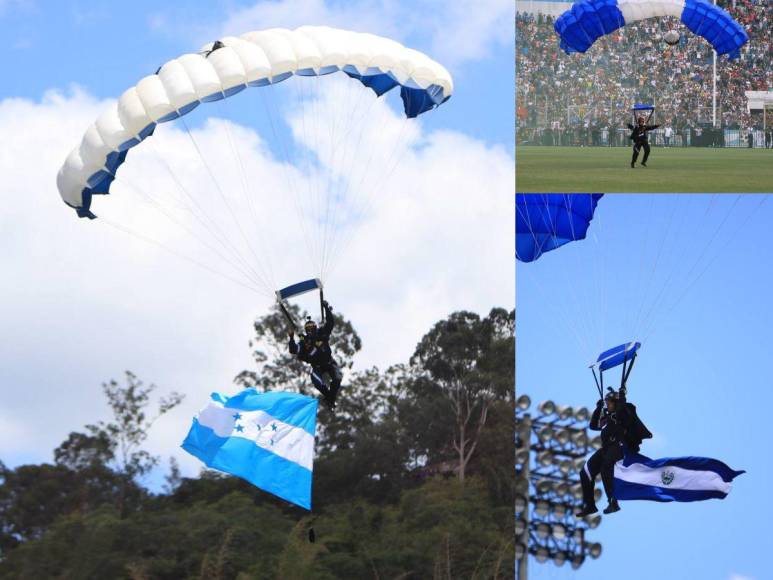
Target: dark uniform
[[613, 427], [619, 430], [314, 349], [639, 138]]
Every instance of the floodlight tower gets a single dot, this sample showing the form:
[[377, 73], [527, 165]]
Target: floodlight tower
[[550, 450]]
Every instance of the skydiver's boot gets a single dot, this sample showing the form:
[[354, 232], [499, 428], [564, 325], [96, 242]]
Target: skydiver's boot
[[612, 507], [334, 391], [587, 510]]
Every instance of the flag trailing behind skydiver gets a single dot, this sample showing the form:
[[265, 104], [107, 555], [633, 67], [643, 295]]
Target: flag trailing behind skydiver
[[546, 221], [264, 438], [672, 478]]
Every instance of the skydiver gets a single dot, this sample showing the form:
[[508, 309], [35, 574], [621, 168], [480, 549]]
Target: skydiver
[[313, 348], [639, 138], [620, 429]]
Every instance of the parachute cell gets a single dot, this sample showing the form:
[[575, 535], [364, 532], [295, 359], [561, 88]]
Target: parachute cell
[[230, 65], [588, 20], [546, 221]]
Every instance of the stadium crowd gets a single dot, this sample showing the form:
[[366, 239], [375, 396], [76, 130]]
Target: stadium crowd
[[587, 98]]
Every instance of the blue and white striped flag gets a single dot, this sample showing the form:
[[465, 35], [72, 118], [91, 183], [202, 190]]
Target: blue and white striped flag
[[672, 478], [265, 438]]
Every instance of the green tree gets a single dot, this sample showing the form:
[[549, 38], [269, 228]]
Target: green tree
[[118, 442], [463, 365]]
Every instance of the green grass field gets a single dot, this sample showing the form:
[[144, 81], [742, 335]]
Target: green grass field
[[607, 169]]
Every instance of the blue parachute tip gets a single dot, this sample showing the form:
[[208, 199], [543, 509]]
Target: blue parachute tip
[[617, 355]]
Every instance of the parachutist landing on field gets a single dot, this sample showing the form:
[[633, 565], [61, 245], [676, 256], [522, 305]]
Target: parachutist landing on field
[[621, 430], [639, 138], [313, 348]]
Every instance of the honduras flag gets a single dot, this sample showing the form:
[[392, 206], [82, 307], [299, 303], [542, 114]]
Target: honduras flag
[[672, 478], [265, 438]]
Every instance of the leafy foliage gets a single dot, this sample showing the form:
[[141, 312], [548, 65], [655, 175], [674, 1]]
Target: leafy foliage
[[413, 478]]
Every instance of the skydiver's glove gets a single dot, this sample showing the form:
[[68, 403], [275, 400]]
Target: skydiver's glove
[[600, 403], [327, 306]]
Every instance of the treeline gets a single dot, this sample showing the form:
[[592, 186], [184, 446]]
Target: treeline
[[413, 477]]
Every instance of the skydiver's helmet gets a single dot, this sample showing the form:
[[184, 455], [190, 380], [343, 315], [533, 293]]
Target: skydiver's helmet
[[611, 396], [310, 327]]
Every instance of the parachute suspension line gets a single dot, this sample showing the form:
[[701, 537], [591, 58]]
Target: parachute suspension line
[[341, 158], [290, 178], [579, 324], [336, 192], [227, 204], [600, 290], [306, 207], [322, 187], [312, 127], [163, 210], [373, 192], [356, 119], [560, 308], [525, 213], [741, 225], [659, 303], [638, 320], [647, 320], [630, 321], [207, 222], [580, 304], [249, 194], [177, 254]]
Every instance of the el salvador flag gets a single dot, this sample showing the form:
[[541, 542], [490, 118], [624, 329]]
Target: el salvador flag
[[265, 438], [672, 478]]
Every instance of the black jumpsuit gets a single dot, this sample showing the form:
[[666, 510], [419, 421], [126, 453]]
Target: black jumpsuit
[[315, 350], [639, 138], [613, 427]]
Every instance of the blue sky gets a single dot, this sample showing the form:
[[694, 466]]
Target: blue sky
[[701, 383], [86, 302], [106, 46]]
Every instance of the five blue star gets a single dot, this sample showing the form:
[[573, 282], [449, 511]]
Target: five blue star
[[239, 428], [237, 416]]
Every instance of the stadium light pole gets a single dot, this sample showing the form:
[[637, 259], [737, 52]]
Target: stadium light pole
[[550, 448], [714, 89]]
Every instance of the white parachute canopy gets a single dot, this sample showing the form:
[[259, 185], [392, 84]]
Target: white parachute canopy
[[330, 141]]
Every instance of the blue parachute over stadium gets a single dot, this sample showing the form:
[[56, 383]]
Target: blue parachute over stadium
[[546, 221], [588, 20]]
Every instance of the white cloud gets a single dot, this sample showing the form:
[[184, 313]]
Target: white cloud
[[81, 302], [453, 33]]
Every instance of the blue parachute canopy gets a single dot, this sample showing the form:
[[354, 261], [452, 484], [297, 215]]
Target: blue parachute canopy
[[643, 107], [588, 20], [546, 221], [613, 357]]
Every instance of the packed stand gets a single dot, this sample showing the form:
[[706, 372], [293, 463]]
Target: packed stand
[[586, 99]]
